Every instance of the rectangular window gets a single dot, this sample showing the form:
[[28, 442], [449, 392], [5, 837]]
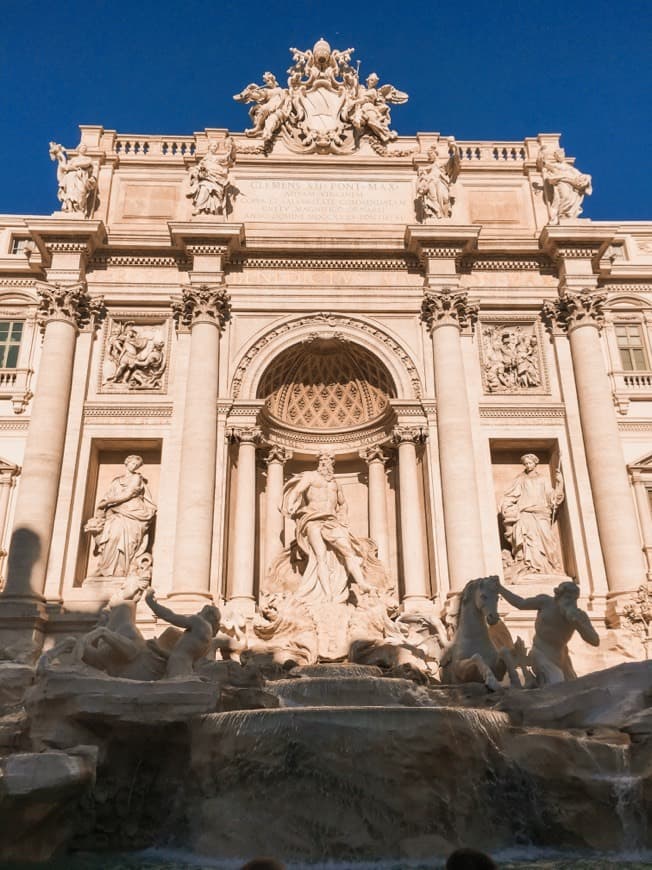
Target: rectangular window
[[11, 332], [17, 245], [632, 349]]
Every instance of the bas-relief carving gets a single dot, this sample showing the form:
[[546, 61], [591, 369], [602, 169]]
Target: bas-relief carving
[[324, 108], [136, 358], [210, 186], [564, 186], [122, 523], [434, 185], [511, 358], [77, 179], [637, 616], [528, 511]]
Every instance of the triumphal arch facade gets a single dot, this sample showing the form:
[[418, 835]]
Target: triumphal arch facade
[[317, 360]]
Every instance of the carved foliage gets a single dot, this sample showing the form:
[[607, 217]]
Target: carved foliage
[[202, 304], [408, 435], [573, 309], [68, 302], [447, 306]]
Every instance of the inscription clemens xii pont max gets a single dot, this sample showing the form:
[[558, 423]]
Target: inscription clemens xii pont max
[[334, 201]]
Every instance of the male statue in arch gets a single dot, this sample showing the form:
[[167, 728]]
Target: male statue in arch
[[314, 499]]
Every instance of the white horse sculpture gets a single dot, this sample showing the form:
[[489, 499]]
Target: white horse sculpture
[[471, 656]]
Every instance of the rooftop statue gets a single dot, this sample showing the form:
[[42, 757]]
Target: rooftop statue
[[77, 178], [564, 186], [434, 183], [324, 108], [210, 180]]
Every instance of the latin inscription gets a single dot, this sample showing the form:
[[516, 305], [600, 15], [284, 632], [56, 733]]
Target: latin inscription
[[334, 201]]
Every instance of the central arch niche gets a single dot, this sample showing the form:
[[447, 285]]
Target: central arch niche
[[326, 383]]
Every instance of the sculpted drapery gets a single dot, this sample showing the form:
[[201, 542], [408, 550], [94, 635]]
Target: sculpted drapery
[[124, 516], [528, 509]]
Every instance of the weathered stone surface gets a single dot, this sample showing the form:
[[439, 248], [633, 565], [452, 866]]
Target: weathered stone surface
[[608, 697], [38, 793], [14, 681], [70, 698]]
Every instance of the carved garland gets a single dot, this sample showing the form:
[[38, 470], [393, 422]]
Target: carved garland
[[331, 320]]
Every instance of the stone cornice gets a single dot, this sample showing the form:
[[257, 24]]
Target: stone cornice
[[206, 237], [66, 235], [576, 240], [441, 241]]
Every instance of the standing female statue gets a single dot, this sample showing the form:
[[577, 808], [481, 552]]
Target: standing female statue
[[122, 522], [77, 180]]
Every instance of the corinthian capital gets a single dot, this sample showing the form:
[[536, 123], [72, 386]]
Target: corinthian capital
[[575, 308], [277, 453], [374, 453], [70, 303], [245, 435], [447, 306], [202, 304], [409, 435]]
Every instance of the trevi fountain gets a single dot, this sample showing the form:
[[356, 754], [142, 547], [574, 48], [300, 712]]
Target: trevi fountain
[[325, 498]]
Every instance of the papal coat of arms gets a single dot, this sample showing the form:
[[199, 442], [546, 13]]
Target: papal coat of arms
[[324, 108]]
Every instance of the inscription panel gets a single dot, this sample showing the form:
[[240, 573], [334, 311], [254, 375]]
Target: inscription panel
[[313, 200]]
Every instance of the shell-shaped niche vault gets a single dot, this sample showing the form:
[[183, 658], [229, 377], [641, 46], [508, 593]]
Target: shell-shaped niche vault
[[326, 383]]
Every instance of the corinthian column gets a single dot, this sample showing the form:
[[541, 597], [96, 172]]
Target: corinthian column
[[413, 528], [580, 314], [445, 312], [205, 310], [378, 527], [63, 310], [276, 458], [242, 550]]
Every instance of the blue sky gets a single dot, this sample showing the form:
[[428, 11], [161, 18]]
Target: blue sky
[[473, 69]]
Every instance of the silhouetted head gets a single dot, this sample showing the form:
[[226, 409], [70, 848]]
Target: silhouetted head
[[212, 615], [469, 859], [263, 864]]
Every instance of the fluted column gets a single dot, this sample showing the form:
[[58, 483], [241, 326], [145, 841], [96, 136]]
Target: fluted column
[[642, 497], [445, 312], [413, 527], [275, 460], [63, 310], [580, 314], [377, 495], [205, 310], [242, 549]]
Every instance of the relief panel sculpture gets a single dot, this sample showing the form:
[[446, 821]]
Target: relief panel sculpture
[[511, 359], [135, 357]]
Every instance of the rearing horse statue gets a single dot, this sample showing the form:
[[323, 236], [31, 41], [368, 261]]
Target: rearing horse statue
[[471, 656]]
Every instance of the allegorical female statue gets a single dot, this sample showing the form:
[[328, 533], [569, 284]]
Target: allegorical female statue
[[77, 178], [528, 508], [209, 180], [122, 522]]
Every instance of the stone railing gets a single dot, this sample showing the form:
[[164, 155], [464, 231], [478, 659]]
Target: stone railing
[[154, 147], [500, 153], [630, 386], [15, 385]]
